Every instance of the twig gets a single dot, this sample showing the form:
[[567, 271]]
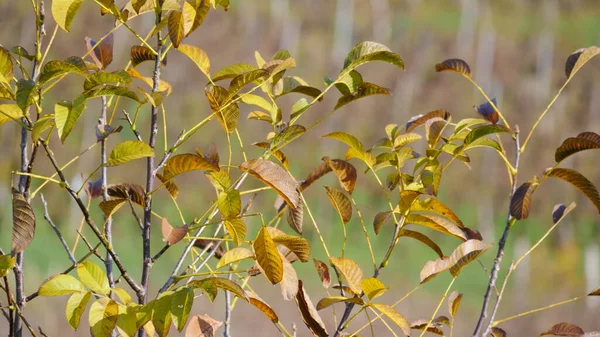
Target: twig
[[135, 215], [163, 161], [11, 312], [68, 270], [90, 222], [227, 325], [89, 245], [509, 222], [108, 263], [147, 259], [161, 252], [57, 231], [135, 132]]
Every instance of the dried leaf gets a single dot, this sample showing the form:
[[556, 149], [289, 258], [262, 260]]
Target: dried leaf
[[342, 204], [564, 329], [202, 326], [487, 111], [126, 191], [419, 120], [309, 314], [289, 283], [497, 332], [456, 65], [520, 203], [462, 255], [23, 222], [172, 235], [573, 145], [423, 238], [345, 172], [395, 316], [263, 306], [323, 272], [454, 302], [580, 57], [102, 52], [226, 111], [175, 25], [276, 177], [578, 180]]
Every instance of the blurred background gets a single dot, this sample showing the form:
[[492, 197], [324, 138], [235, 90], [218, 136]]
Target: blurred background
[[517, 51]]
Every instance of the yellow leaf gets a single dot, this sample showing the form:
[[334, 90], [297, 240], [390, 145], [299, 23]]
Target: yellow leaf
[[268, 256], [350, 270]]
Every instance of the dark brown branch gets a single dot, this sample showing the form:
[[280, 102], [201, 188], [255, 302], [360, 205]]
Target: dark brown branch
[[496, 267]]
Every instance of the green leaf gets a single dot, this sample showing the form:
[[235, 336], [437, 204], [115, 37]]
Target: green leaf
[[349, 83], [369, 51], [351, 272], [6, 66], [365, 89], [122, 295], [268, 256], [294, 84], [54, 69], [235, 255], [484, 130], [226, 111], [236, 229], [580, 57], [64, 11], [58, 285], [455, 65], [111, 90], [198, 56], [298, 108], [222, 283], [229, 203], [578, 180], [10, 112], [23, 228], [127, 151], [161, 314], [479, 142], [395, 316], [93, 277], [181, 305], [75, 308], [232, 71], [286, 136], [25, 93], [243, 79], [101, 77], [256, 100], [66, 114]]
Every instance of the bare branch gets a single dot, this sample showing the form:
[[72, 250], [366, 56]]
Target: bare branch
[[57, 231]]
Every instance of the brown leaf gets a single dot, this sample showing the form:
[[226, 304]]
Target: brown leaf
[[127, 191], [454, 302], [340, 201], [419, 120], [202, 326], [263, 306], [315, 175], [497, 332], [295, 218], [94, 188], [576, 60], [435, 327], [456, 65], [578, 180], [564, 329], [277, 153], [187, 162], [289, 283], [520, 203], [23, 222], [221, 104], [438, 223], [323, 272], [423, 238], [309, 314], [169, 185], [573, 145], [596, 292], [345, 172], [141, 54], [275, 177], [433, 130], [103, 52], [172, 235], [594, 137], [203, 243], [380, 218], [175, 26], [435, 206], [462, 255]]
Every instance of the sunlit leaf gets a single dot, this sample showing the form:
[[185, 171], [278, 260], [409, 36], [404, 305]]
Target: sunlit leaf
[[395, 316], [456, 65], [309, 314], [101, 77], [369, 51], [75, 307], [419, 120], [423, 238], [181, 305], [58, 285], [66, 115], [243, 79], [232, 71], [194, 14], [176, 30], [222, 283], [103, 317], [286, 136], [331, 300], [236, 228], [438, 223], [294, 84], [435, 326], [111, 90], [6, 66], [564, 329], [296, 244], [365, 89], [580, 57], [235, 255], [341, 203], [454, 302], [372, 287], [275, 177], [289, 282], [435, 206], [323, 272], [578, 180], [520, 203], [56, 68], [7, 262], [268, 256], [141, 54], [226, 111], [23, 228], [484, 130], [161, 314], [64, 12], [433, 130], [198, 56], [127, 151], [186, 162], [93, 277], [345, 172], [122, 295], [109, 207], [202, 325], [263, 307], [350, 270], [462, 255]]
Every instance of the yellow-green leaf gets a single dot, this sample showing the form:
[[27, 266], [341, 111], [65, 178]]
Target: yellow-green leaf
[[232, 71], [64, 11], [226, 111], [127, 151], [109, 207], [194, 14], [331, 300], [25, 93], [93, 277], [61, 285], [236, 228], [66, 114], [161, 314], [198, 56], [372, 287], [350, 270], [243, 79], [122, 295], [365, 89], [181, 305], [7, 262], [235, 255], [103, 317], [10, 112], [395, 316], [221, 283], [369, 51], [75, 308], [268, 256], [6, 66], [102, 77], [56, 68], [186, 162], [296, 244]]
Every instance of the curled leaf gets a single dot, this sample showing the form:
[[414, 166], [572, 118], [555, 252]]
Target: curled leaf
[[578, 180], [520, 203], [580, 57], [323, 272], [369, 51], [572, 145], [564, 329], [487, 111], [340, 201], [454, 302], [309, 314], [419, 120], [462, 255], [456, 65], [23, 222]]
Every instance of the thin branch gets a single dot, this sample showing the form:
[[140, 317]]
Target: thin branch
[[227, 325], [135, 132], [163, 161], [509, 222], [57, 231], [87, 218], [108, 263], [135, 215]]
